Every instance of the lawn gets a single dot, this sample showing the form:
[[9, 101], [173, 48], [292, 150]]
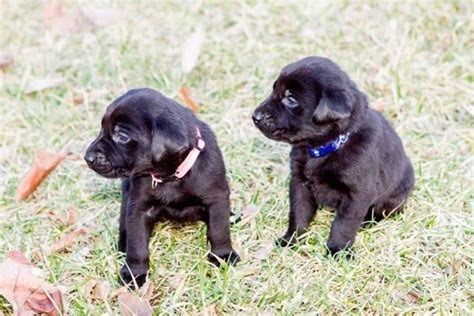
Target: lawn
[[415, 61]]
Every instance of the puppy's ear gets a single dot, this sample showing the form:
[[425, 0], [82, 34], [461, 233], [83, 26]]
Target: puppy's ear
[[333, 106], [169, 142], [335, 91]]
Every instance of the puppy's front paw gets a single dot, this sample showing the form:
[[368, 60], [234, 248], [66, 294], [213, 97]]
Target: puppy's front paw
[[286, 241], [231, 257], [340, 252], [131, 275]]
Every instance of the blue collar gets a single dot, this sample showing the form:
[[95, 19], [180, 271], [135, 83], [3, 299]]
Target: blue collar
[[330, 147]]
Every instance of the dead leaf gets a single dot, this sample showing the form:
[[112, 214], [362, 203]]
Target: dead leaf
[[77, 99], [21, 284], [66, 242], [209, 310], [69, 220], [177, 280], [45, 162], [6, 60], [455, 267], [55, 218], [185, 95], [249, 213], [62, 22], [147, 289], [101, 17], [132, 305], [97, 290], [407, 296], [38, 85], [264, 251], [72, 216], [118, 291], [191, 50], [412, 298]]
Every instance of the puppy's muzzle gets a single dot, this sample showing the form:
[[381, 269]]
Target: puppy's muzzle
[[262, 119], [97, 161]]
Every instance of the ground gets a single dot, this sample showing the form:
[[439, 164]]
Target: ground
[[414, 61]]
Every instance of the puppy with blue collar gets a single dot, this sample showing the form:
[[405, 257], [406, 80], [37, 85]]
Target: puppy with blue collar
[[344, 155]]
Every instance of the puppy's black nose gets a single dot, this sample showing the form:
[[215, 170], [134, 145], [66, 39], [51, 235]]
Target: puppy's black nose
[[89, 158], [257, 117]]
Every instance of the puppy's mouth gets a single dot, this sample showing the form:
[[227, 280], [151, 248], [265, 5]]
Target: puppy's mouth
[[110, 172], [278, 134]]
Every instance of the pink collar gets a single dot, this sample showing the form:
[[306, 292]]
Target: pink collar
[[185, 166]]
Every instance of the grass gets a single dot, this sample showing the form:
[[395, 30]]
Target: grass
[[414, 59]]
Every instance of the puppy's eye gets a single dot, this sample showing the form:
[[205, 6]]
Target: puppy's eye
[[289, 100], [121, 137]]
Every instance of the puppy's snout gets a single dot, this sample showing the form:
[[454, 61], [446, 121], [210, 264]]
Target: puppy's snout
[[257, 117], [89, 158], [95, 158]]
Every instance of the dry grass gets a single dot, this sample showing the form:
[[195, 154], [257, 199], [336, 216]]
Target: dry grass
[[416, 60]]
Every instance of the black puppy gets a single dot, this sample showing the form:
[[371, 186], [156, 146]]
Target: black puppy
[[344, 155], [152, 142]]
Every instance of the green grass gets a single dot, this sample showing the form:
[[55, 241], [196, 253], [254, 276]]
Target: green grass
[[415, 59]]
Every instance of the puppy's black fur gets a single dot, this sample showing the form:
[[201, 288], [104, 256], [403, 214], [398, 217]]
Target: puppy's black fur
[[144, 132], [313, 102]]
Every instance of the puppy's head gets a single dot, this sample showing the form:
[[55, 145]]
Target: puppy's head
[[142, 132], [312, 101]]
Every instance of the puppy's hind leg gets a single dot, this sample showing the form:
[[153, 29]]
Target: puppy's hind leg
[[391, 206], [395, 203], [345, 226]]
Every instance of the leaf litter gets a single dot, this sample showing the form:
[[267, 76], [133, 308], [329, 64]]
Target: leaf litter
[[191, 50], [23, 286], [45, 162]]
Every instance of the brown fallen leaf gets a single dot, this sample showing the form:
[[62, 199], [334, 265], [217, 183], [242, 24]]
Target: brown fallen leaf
[[22, 286], [97, 290], [72, 216], [70, 219], [264, 250], [101, 17], [191, 50], [209, 310], [132, 305], [407, 296], [455, 267], [412, 298], [6, 60], [62, 22], [177, 280], [184, 94], [55, 218], [66, 241], [77, 99], [44, 163], [62, 244], [118, 291], [37, 85], [249, 213], [147, 290]]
